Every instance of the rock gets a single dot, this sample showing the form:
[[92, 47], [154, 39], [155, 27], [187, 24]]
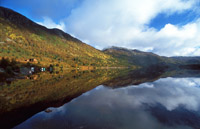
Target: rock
[[48, 110], [9, 40], [2, 70], [21, 77], [10, 79]]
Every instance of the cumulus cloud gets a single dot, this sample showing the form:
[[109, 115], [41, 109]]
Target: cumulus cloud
[[125, 23], [171, 40], [50, 24]]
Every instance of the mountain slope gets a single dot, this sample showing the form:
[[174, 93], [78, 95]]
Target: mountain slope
[[148, 59], [23, 39], [187, 60], [139, 58]]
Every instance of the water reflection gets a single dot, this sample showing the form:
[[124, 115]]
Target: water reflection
[[116, 96], [168, 103], [23, 98], [139, 76]]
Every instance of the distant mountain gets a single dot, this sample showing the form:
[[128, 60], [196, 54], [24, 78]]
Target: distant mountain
[[187, 60], [139, 58], [23, 39], [149, 59]]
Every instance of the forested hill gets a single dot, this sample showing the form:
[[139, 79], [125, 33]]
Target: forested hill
[[139, 58], [148, 59], [22, 39]]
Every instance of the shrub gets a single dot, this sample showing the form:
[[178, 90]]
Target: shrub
[[9, 70], [4, 62]]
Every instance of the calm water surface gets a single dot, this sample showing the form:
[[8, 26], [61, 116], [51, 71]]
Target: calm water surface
[[167, 103]]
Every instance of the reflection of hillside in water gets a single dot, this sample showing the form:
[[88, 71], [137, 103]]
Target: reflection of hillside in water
[[136, 77], [23, 98], [167, 103]]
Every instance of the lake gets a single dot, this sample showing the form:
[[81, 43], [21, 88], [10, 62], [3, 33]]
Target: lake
[[138, 99]]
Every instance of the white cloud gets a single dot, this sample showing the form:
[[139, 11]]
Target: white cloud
[[174, 40], [104, 23], [50, 24]]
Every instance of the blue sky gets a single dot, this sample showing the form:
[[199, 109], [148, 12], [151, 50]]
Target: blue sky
[[166, 27], [177, 19]]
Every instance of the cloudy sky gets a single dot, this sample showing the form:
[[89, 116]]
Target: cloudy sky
[[165, 27]]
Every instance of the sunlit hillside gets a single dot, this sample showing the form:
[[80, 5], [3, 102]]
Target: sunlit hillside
[[22, 39]]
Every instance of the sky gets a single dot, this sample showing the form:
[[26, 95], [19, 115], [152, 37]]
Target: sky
[[165, 27]]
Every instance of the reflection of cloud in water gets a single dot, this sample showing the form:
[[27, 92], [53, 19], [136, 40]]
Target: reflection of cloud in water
[[169, 92], [128, 107], [172, 93]]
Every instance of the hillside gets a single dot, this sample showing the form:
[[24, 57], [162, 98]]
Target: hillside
[[22, 39], [187, 60], [139, 58], [148, 59]]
